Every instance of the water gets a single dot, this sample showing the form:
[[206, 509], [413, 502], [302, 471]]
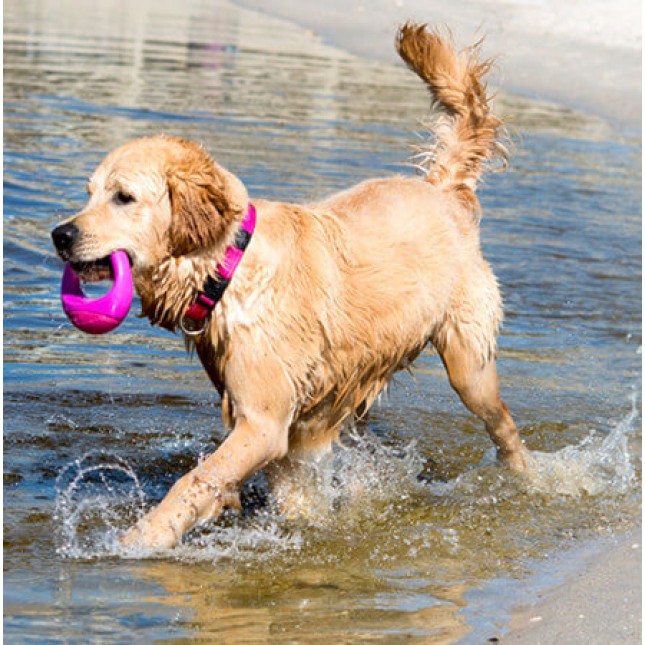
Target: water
[[414, 526]]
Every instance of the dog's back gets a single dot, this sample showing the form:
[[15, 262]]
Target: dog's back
[[418, 274]]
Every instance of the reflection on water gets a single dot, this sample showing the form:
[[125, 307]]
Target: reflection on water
[[412, 515]]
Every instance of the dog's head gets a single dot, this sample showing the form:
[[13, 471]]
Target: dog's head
[[154, 198]]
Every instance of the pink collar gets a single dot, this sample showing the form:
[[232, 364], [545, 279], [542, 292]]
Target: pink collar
[[193, 322]]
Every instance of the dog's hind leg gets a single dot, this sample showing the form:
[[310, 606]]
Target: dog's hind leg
[[477, 384], [295, 481], [295, 485], [466, 344]]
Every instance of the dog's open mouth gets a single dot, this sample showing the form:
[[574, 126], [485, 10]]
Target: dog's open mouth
[[94, 271]]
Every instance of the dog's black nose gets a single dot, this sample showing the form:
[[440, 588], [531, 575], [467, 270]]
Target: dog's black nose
[[64, 237]]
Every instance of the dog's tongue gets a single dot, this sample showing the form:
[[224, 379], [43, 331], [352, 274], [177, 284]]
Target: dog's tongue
[[103, 314]]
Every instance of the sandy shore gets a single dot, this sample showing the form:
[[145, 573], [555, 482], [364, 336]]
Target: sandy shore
[[602, 603], [582, 53]]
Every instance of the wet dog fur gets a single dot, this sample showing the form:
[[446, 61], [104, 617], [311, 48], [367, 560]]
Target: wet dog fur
[[330, 300]]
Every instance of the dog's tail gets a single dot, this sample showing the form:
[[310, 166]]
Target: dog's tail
[[465, 134]]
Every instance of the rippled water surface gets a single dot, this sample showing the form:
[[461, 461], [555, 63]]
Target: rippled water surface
[[416, 529]]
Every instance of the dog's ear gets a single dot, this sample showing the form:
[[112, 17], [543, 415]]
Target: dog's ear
[[206, 200]]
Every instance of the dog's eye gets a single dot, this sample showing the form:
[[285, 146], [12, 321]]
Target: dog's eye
[[123, 198]]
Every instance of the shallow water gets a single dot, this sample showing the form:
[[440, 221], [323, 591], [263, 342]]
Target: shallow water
[[415, 528]]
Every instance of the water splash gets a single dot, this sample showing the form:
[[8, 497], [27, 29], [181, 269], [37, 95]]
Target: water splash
[[596, 466], [358, 484], [99, 495], [95, 495], [600, 464], [357, 480], [259, 538], [364, 485]]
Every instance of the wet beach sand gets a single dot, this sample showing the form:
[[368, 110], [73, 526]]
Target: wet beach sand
[[601, 603], [583, 55]]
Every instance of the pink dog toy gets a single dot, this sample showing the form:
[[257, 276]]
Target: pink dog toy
[[105, 313]]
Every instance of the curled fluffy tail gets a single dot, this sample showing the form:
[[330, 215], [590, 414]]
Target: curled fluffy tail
[[465, 135]]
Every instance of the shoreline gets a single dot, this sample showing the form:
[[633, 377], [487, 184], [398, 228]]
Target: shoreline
[[586, 56], [598, 601]]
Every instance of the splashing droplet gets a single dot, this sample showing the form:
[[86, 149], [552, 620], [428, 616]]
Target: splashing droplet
[[96, 495]]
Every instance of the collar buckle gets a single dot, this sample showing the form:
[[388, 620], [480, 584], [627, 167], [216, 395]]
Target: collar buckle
[[192, 327]]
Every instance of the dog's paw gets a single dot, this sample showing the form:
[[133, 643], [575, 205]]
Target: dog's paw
[[146, 535], [519, 461]]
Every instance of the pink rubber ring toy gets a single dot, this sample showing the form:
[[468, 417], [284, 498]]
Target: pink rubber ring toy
[[103, 314]]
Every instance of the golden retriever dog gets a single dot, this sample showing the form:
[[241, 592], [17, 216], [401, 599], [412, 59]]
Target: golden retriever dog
[[329, 299]]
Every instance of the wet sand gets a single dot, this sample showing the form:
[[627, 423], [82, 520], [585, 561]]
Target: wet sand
[[583, 55], [602, 603]]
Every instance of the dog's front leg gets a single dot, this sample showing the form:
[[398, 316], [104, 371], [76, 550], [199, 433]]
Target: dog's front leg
[[203, 493]]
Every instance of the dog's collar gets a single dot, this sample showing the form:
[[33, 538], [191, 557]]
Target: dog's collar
[[193, 322]]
